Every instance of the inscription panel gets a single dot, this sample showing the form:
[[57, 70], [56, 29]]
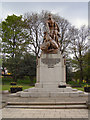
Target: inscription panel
[[50, 61]]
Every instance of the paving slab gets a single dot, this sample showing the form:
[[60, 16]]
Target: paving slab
[[27, 113], [55, 114]]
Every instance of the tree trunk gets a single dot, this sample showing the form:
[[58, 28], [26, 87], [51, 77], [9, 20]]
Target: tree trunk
[[14, 78], [31, 80], [81, 73]]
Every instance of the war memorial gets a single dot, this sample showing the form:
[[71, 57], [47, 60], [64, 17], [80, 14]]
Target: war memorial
[[51, 68], [51, 97]]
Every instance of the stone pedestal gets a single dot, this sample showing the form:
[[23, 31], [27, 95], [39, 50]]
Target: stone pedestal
[[51, 71], [51, 75]]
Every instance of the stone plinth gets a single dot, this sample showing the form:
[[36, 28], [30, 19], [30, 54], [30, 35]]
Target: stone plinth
[[50, 71]]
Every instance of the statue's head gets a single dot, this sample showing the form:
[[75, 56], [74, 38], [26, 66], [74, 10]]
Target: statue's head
[[49, 16]]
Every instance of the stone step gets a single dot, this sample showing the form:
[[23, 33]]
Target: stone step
[[68, 89], [48, 106], [48, 94], [15, 94], [51, 94], [46, 103], [74, 90], [3, 105]]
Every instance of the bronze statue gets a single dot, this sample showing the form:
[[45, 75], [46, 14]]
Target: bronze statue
[[50, 39]]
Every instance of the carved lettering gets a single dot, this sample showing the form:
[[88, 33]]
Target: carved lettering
[[50, 62]]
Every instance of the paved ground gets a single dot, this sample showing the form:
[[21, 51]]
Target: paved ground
[[44, 113]]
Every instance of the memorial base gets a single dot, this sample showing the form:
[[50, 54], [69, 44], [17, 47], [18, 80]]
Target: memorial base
[[51, 71], [51, 80]]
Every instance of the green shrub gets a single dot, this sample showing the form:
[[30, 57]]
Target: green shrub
[[13, 83], [7, 80], [73, 83], [26, 80], [76, 83], [86, 85]]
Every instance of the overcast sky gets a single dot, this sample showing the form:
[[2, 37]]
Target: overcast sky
[[75, 12]]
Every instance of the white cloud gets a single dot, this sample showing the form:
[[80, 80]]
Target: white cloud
[[76, 13], [80, 22]]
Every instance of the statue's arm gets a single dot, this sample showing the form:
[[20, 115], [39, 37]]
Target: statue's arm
[[57, 28], [48, 30]]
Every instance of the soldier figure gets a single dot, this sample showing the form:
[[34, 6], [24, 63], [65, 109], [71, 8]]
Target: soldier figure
[[52, 25], [51, 43]]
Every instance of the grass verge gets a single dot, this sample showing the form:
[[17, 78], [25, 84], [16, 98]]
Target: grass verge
[[79, 88], [7, 87]]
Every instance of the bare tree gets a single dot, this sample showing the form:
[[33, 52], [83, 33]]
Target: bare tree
[[79, 47], [34, 28], [36, 25], [65, 32]]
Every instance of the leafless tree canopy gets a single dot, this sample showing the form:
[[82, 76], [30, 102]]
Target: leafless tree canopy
[[36, 25]]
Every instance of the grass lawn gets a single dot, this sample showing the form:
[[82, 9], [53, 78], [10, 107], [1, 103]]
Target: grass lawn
[[79, 88], [25, 83], [7, 87]]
